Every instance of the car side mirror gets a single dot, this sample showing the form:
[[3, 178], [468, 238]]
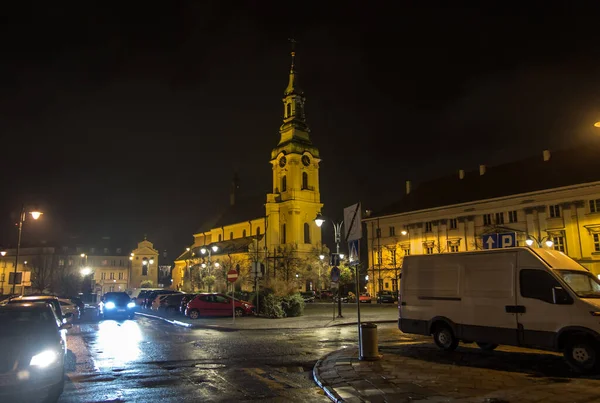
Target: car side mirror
[[65, 326], [560, 296]]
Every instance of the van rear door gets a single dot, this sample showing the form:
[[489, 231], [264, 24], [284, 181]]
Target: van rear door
[[489, 298]]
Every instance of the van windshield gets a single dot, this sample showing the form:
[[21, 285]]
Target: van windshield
[[584, 284]]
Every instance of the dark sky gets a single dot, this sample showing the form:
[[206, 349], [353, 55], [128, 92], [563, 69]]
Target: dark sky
[[126, 118]]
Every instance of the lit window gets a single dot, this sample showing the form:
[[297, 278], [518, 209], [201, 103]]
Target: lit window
[[554, 211], [429, 250], [596, 242], [452, 247], [406, 252], [103, 276], [112, 276], [121, 275], [559, 243]]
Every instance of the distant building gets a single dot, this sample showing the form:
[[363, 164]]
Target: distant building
[[275, 227], [103, 266], [552, 200]]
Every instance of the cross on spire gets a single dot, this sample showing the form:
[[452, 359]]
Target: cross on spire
[[293, 52]]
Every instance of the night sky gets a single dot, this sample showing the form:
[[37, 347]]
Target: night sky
[[129, 118]]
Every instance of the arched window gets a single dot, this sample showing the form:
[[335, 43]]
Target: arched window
[[283, 237], [244, 234], [304, 180], [306, 233], [257, 231], [219, 237], [288, 110], [231, 235], [283, 183]]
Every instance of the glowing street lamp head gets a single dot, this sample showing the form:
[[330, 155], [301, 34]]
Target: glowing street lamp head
[[342, 255], [597, 124], [215, 248], [151, 261], [321, 257], [86, 271], [549, 243], [3, 253], [132, 254], [319, 220], [404, 232], [130, 257], [83, 255], [367, 277], [35, 214], [529, 241], [203, 265], [145, 261], [203, 251], [217, 265], [187, 249]]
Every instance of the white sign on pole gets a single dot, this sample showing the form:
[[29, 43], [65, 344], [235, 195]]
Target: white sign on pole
[[352, 223]]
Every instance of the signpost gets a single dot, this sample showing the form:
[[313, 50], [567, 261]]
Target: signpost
[[232, 276], [353, 226], [499, 241]]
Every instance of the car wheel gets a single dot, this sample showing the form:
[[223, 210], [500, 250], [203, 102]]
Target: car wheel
[[239, 312], [444, 338], [55, 391], [194, 314], [487, 346], [582, 354]]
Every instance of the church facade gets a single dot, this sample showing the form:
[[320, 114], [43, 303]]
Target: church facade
[[279, 237]]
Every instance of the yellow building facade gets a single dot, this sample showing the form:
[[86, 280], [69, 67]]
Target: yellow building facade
[[267, 231], [564, 217]]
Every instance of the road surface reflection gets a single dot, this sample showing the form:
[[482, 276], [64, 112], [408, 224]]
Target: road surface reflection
[[118, 343]]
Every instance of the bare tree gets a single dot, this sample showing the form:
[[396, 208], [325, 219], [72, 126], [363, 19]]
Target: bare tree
[[41, 272]]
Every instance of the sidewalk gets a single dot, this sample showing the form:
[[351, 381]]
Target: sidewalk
[[315, 316], [416, 371]]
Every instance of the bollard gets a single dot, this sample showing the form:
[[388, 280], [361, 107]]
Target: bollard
[[369, 348]]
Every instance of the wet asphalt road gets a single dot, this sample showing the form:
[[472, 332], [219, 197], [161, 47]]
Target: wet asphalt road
[[145, 360]]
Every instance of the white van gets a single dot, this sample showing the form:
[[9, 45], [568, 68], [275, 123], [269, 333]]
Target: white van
[[525, 297]]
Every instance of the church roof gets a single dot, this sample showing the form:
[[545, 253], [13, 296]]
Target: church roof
[[565, 167], [238, 245], [244, 210]]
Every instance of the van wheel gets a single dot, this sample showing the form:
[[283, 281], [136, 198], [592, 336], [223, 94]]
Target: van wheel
[[444, 338], [487, 346], [581, 354]]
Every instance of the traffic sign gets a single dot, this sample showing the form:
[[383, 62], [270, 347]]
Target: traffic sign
[[499, 241], [353, 222], [232, 276], [335, 274], [354, 255]]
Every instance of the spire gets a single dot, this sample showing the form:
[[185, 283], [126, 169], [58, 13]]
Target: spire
[[292, 87]]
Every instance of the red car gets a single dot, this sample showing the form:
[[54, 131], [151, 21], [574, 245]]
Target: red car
[[216, 305]]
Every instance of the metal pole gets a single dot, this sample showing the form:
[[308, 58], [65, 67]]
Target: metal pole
[[232, 301], [21, 219], [358, 311], [337, 230]]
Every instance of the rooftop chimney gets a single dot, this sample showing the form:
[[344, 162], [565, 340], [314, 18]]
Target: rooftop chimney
[[546, 155], [461, 174], [408, 187], [481, 169]]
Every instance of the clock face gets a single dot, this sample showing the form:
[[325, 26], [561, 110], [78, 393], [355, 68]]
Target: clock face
[[282, 161], [306, 160]]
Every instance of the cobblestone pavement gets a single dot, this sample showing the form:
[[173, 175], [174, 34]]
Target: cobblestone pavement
[[416, 370]]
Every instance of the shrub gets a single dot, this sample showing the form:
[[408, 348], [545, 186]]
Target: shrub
[[147, 284], [271, 306], [293, 305]]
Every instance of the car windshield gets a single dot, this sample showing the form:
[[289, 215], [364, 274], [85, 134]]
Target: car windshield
[[117, 297], [23, 321], [583, 283]]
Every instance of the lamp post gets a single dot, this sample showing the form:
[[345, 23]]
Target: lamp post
[[3, 253], [321, 258], [204, 251], [35, 215], [337, 228], [544, 240]]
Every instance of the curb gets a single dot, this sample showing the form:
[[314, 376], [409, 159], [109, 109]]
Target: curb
[[226, 328], [330, 392]]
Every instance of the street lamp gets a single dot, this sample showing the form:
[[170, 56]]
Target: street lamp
[[204, 251], [597, 124], [86, 271], [3, 253], [337, 228], [531, 240], [35, 214]]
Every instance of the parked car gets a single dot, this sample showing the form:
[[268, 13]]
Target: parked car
[[170, 304], [77, 301], [184, 301], [308, 296], [32, 341], [217, 305], [150, 297], [69, 307], [364, 298], [344, 299], [116, 304], [47, 299], [386, 297]]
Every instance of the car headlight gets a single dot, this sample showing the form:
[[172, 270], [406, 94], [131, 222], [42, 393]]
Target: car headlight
[[131, 305], [44, 359], [246, 306], [109, 305]]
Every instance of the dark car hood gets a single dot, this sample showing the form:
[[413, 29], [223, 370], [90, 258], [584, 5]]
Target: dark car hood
[[20, 348]]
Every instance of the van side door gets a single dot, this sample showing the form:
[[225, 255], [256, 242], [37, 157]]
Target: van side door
[[539, 317]]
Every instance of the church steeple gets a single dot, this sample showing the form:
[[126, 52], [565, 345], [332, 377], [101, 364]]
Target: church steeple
[[294, 127]]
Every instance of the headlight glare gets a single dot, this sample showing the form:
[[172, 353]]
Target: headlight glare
[[109, 305], [131, 305], [44, 359]]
